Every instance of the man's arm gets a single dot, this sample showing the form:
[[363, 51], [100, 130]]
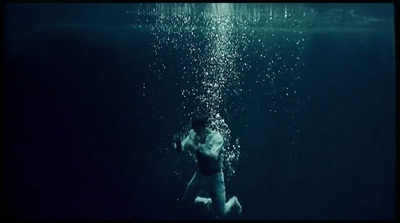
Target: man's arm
[[188, 144]]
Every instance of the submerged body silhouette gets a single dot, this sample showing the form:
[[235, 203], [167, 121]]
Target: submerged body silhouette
[[206, 145]]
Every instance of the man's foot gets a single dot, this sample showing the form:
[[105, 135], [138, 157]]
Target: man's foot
[[237, 204], [206, 202]]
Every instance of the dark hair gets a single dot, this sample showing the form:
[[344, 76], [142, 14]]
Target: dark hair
[[199, 122]]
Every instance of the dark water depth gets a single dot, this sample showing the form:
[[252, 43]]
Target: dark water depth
[[90, 112]]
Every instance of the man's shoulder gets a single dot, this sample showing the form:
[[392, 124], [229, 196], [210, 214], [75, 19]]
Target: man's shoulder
[[192, 134], [216, 135]]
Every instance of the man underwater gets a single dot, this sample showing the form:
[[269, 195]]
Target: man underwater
[[206, 146]]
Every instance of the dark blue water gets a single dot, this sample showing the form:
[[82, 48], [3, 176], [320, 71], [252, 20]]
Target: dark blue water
[[90, 112]]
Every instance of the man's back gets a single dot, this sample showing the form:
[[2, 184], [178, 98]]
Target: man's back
[[209, 156]]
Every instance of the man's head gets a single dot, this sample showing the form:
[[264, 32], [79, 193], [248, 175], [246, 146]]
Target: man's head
[[199, 125]]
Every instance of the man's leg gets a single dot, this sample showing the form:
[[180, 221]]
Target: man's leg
[[195, 204], [233, 202], [203, 198], [218, 196], [192, 188]]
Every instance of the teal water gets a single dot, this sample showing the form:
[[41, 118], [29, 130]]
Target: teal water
[[303, 94]]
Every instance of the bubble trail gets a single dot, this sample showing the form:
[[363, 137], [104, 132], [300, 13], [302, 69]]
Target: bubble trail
[[222, 53]]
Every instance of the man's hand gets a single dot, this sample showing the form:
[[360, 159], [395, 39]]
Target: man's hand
[[177, 141]]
